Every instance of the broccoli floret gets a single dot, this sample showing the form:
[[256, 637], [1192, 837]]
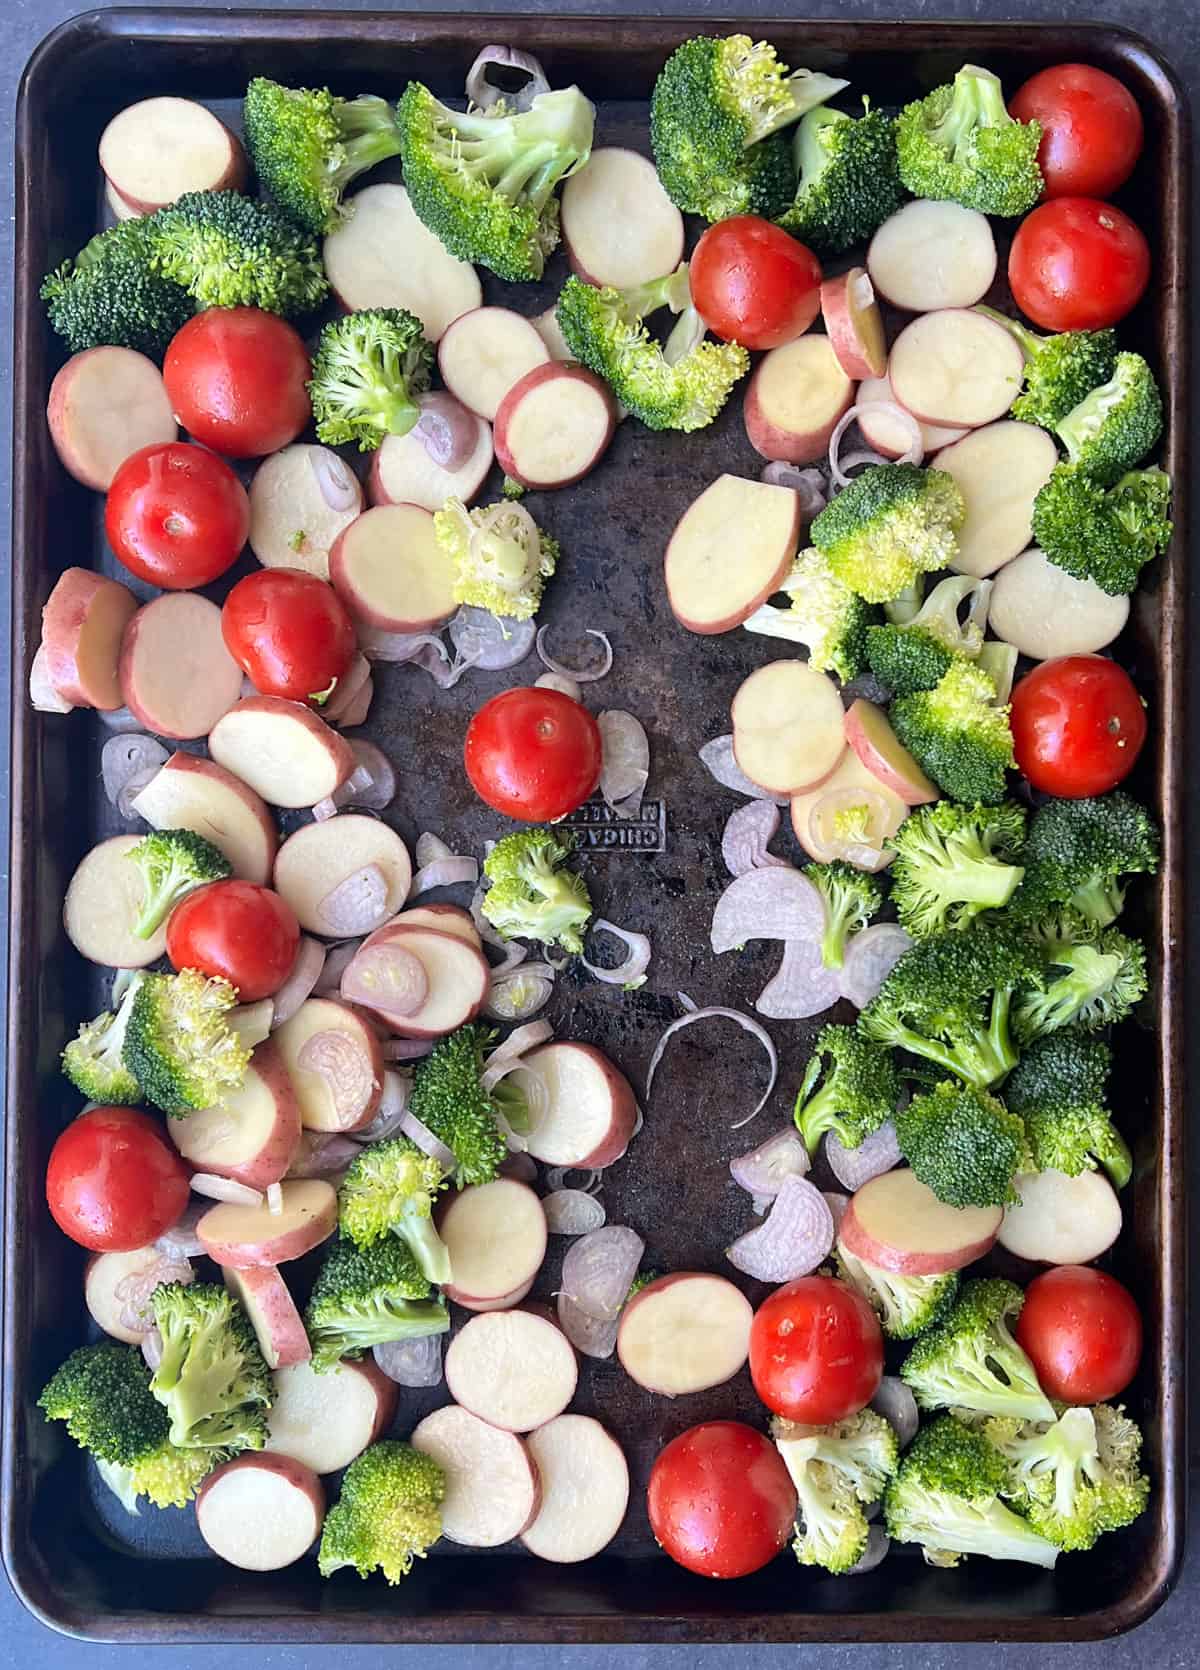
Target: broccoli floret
[[963, 1144], [501, 557], [1057, 1088], [484, 181], [1107, 536], [893, 523], [851, 898], [916, 654], [823, 614], [1059, 370], [970, 1360], [233, 251], [213, 1380], [959, 142], [852, 1093], [110, 294], [365, 1296], [173, 863], [448, 1096], [1117, 424], [836, 1469], [1090, 981], [959, 733], [307, 146], [179, 1043], [1079, 850], [389, 1189], [93, 1059], [368, 370], [849, 179], [905, 1305], [1076, 1477], [680, 384], [532, 895], [952, 862], [388, 1513], [946, 1496]]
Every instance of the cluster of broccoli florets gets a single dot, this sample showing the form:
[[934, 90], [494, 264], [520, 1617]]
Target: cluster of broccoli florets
[[501, 558]]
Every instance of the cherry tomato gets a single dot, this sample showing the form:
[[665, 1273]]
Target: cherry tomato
[[533, 754], [816, 1351], [238, 381], [1078, 725], [753, 284], [1082, 1332], [176, 516], [245, 933], [1078, 264], [114, 1182], [289, 632], [1091, 129], [720, 1499]]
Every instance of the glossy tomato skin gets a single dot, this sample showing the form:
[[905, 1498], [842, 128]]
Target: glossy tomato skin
[[245, 933], [1078, 725], [237, 379], [289, 632], [176, 516], [720, 1500], [1082, 1332], [1078, 264], [754, 284], [114, 1182], [1092, 131], [816, 1351], [533, 754]]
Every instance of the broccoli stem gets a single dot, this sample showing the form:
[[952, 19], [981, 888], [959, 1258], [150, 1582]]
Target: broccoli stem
[[426, 1245], [1113, 1153], [1029, 342], [1101, 902]]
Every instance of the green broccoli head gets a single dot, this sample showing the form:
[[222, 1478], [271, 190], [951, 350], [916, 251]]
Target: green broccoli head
[[963, 1144], [823, 614], [1106, 536], [448, 1097], [959, 142], [1078, 852], [388, 1513], [1060, 371], [532, 895], [850, 1087], [212, 1379], [179, 1043], [233, 251], [389, 1188], [93, 1059], [959, 733], [173, 862], [111, 294], [368, 370], [916, 653], [905, 1305], [953, 861], [971, 1361], [892, 524], [307, 146], [851, 897], [849, 179], [1058, 1088], [1090, 982], [1075, 1477], [366, 1296], [1115, 425], [102, 1395], [501, 557], [836, 1469]]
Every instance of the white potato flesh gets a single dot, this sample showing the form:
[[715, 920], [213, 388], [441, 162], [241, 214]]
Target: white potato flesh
[[618, 224], [156, 150], [491, 1483], [104, 405], [794, 400], [932, 255], [325, 1420], [402, 472], [495, 1234], [106, 1290], [849, 773], [554, 426], [291, 524], [685, 1333], [319, 856], [177, 676], [459, 979], [105, 897], [1043, 611], [895, 1221], [956, 367], [200, 795], [261, 1512], [1000, 470], [486, 351], [583, 1108], [319, 1111], [887, 433], [1060, 1219], [585, 1489], [390, 571], [787, 726], [383, 256], [511, 1368], [248, 1236], [283, 750], [253, 1135], [729, 551]]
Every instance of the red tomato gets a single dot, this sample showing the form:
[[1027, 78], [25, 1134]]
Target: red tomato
[[1078, 725], [1078, 264], [114, 1182], [238, 380], [720, 1499], [176, 516], [1091, 129], [533, 754], [753, 284], [816, 1351], [289, 632], [243, 932], [1082, 1332]]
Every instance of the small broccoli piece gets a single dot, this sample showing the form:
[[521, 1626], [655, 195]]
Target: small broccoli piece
[[365, 1296], [532, 896], [963, 1144], [892, 524], [1079, 850], [946, 1496], [233, 251], [388, 1513], [823, 614], [917, 653], [1104, 536], [905, 1305], [307, 146], [836, 1469], [642, 1279], [849, 179], [1090, 982], [1057, 1088], [93, 1059], [970, 1360], [1059, 370], [179, 1044], [851, 898], [213, 1380], [681, 384], [1076, 1477], [959, 142], [1117, 424], [368, 370], [501, 557], [484, 181], [110, 294], [952, 862], [959, 733], [173, 862], [852, 1093], [390, 1188], [448, 1096]]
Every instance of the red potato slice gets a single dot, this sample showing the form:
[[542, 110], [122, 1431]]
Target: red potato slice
[[154, 151], [292, 524], [177, 677], [105, 897], [870, 734], [200, 795], [496, 1236], [118, 208], [588, 1106], [319, 856], [277, 1323], [106, 1289], [618, 224], [849, 773], [254, 1134], [730, 551], [684, 1333], [446, 919], [787, 727], [506, 1301], [383, 256], [358, 1100], [1000, 470], [883, 431], [1043, 611], [511, 1368], [83, 625], [284, 752], [493, 1490], [1060, 1219], [459, 981], [247, 1237], [794, 400], [932, 255], [325, 1420], [547, 326], [390, 571], [486, 352], [854, 324], [261, 1512], [105, 404], [585, 1489], [554, 425], [896, 1222], [956, 367], [402, 472]]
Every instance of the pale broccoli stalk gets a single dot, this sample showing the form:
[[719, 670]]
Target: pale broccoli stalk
[[212, 1378], [1076, 1477], [93, 1059], [501, 558], [390, 1188], [822, 613]]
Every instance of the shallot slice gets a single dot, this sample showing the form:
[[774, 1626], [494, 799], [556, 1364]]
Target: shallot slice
[[372, 783], [357, 905], [717, 1012], [336, 959], [346, 689], [825, 842], [444, 872], [425, 1140], [871, 955], [523, 69], [42, 692], [520, 1041], [796, 1236], [407, 1049], [128, 755], [443, 673], [594, 1336], [135, 1290], [589, 1180], [625, 760], [717, 759], [572, 1212], [483, 927], [558, 681], [581, 675], [631, 972], [801, 986], [807, 484], [878, 1546], [599, 1268], [118, 719], [838, 1204], [393, 1103], [152, 1350], [430, 848], [346, 1068], [762, 1171], [225, 1190], [131, 788], [875, 1154], [446, 429], [322, 1154], [300, 983], [517, 993], [411, 1362], [274, 1199], [839, 466], [335, 481], [746, 836], [775, 903], [356, 709], [895, 1402], [181, 1240], [380, 645], [915, 451], [387, 978], [522, 1168], [494, 642]]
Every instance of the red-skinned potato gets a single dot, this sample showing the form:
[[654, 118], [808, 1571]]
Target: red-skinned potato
[[495, 1234], [273, 1315], [360, 1082], [154, 151], [684, 1333], [729, 552], [485, 353], [177, 677], [325, 1420], [493, 1489], [512, 1368], [261, 1512], [282, 750], [554, 425], [642, 243], [854, 324], [198, 794], [591, 1109], [105, 898], [794, 400], [870, 734], [111, 1281], [252, 1137], [83, 624], [402, 472], [106, 404], [382, 255], [245, 1237], [389, 570], [894, 1221], [585, 1489], [459, 980]]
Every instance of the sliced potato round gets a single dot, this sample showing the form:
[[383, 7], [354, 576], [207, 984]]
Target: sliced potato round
[[390, 571], [105, 897], [1000, 470], [292, 524], [383, 256], [313, 861], [787, 727], [1043, 611]]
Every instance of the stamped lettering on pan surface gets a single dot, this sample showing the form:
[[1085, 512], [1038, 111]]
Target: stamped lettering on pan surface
[[599, 829]]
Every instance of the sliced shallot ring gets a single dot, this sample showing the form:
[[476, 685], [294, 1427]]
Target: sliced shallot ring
[[599, 1268], [300, 983], [393, 1104], [126, 755], [624, 760], [522, 1168], [358, 904], [495, 643], [914, 453], [429, 848], [572, 1212], [590, 1179], [745, 838], [444, 872], [152, 1350], [871, 955], [631, 972], [808, 484], [387, 978], [342, 696], [411, 1362], [380, 645], [876, 1550], [483, 93], [181, 1240], [444, 674], [839, 466], [775, 903], [483, 927], [762, 1171], [322, 1154], [346, 1068], [335, 480], [446, 429], [520, 1041], [134, 1290], [407, 1049], [425, 1140], [581, 675], [801, 986], [717, 1012], [895, 1402], [795, 1238], [594, 1336], [875, 1154], [336, 958], [838, 1204], [131, 788], [827, 844], [373, 780], [225, 1190], [717, 759], [519, 992]]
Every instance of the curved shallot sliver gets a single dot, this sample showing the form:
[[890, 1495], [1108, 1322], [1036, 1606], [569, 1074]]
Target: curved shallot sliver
[[152, 1350], [386, 978], [719, 1012], [345, 691], [393, 1103], [807, 484], [299, 985], [717, 759], [357, 905], [572, 1212], [632, 970], [335, 480], [877, 1548], [225, 1190], [444, 872], [128, 755], [425, 1140], [411, 1362], [802, 985], [322, 1154], [377, 644], [796, 1236], [377, 788], [520, 1041], [181, 1240], [625, 760], [746, 836], [134, 1291], [871, 955], [430, 847], [895, 1402], [775, 903], [494, 643], [484, 93], [407, 1049], [763, 1170], [599, 1268], [874, 1155], [838, 1204], [336, 958], [581, 675], [346, 1068], [594, 1336]]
